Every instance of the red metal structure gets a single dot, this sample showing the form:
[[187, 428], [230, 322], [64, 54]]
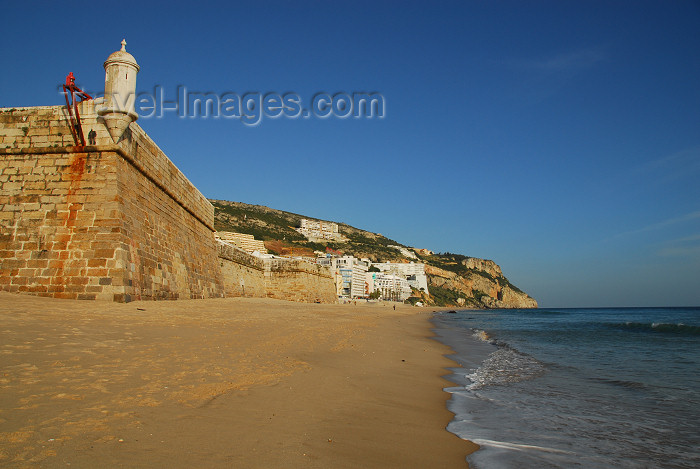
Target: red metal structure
[[76, 96]]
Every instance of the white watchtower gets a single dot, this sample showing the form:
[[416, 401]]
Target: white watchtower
[[120, 92]]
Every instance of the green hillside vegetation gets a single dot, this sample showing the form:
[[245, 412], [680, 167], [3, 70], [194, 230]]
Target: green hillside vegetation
[[269, 225], [261, 222]]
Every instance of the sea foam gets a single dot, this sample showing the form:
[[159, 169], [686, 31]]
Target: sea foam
[[505, 366]]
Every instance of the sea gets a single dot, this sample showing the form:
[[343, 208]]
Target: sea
[[576, 387]]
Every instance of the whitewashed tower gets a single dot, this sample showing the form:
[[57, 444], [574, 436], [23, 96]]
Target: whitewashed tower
[[120, 92]]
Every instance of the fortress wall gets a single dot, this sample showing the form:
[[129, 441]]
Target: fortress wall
[[47, 127], [299, 281], [118, 221], [107, 221], [284, 279], [143, 153], [243, 273], [169, 253], [35, 127]]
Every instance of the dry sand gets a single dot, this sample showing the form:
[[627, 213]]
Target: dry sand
[[230, 383]]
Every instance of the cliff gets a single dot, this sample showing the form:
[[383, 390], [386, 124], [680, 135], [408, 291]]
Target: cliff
[[476, 288]]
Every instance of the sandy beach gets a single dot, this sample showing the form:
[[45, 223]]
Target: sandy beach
[[249, 383]]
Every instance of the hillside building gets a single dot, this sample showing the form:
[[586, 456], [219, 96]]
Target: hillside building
[[319, 230], [349, 275], [392, 287], [413, 273]]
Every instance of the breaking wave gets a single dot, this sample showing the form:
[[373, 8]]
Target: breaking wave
[[481, 335], [660, 327], [505, 366]]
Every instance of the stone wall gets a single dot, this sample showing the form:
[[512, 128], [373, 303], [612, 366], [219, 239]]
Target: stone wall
[[106, 221], [243, 274], [298, 280], [119, 221], [284, 279]]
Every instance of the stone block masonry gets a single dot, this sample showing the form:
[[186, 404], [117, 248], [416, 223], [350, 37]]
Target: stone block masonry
[[107, 221]]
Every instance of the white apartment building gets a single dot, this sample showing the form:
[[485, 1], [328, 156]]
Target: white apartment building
[[318, 229], [413, 272], [391, 287], [349, 275]]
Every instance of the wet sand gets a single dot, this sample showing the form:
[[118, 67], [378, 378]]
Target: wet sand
[[242, 383]]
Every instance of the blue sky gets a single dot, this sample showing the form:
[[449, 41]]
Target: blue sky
[[560, 139]]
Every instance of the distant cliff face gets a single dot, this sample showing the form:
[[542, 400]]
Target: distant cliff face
[[484, 265], [483, 286]]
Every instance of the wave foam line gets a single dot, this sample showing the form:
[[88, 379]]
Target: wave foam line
[[518, 447]]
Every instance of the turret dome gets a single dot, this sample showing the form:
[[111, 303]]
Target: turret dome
[[122, 56]]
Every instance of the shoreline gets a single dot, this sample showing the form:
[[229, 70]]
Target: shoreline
[[235, 382]]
